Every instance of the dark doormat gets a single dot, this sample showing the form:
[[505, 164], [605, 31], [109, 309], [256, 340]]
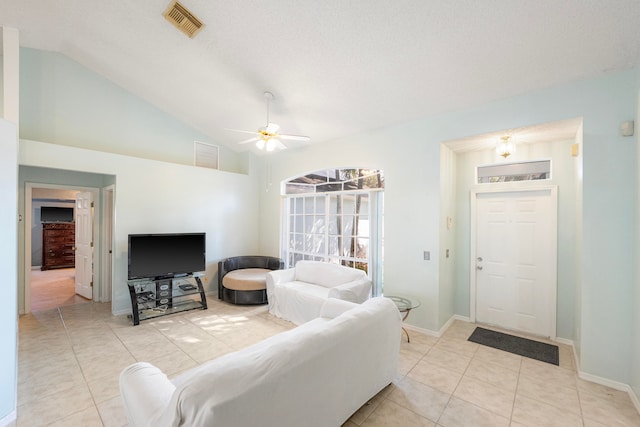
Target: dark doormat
[[516, 345]]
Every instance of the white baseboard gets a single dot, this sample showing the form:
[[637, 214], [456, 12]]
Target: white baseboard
[[604, 381], [600, 380], [450, 322], [634, 398], [121, 312], [564, 341], [421, 330], [612, 384], [442, 330], [9, 419]]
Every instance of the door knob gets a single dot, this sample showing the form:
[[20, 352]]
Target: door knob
[[479, 267], [479, 259]]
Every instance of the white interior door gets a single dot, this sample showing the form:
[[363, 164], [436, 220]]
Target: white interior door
[[84, 244], [516, 260]]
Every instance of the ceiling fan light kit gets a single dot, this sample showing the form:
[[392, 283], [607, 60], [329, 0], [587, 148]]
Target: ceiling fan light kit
[[267, 137]]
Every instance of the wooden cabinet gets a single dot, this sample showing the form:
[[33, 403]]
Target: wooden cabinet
[[58, 240]]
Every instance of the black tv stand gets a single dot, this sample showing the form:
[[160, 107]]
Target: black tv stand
[[159, 296]]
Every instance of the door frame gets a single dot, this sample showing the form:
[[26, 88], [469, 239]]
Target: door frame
[[108, 227], [518, 187], [28, 199]]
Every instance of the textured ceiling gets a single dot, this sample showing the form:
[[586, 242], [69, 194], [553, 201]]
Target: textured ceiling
[[336, 67]]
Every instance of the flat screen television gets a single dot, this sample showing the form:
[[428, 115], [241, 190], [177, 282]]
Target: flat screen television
[[56, 214], [166, 255]]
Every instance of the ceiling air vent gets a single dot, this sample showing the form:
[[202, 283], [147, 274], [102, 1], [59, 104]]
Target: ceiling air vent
[[182, 19]]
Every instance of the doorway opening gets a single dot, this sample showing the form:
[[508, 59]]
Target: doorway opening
[[463, 184], [53, 288], [52, 268]]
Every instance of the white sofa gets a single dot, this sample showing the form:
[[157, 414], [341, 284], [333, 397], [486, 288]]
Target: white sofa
[[317, 374], [297, 294]]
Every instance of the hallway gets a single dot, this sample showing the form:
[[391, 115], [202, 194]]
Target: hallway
[[53, 288]]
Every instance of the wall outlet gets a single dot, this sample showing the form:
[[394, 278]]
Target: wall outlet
[[426, 255]]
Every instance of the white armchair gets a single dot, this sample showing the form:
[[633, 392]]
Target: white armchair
[[297, 294]]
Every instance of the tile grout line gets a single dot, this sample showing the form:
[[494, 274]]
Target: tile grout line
[[515, 393], [455, 388], [75, 355]]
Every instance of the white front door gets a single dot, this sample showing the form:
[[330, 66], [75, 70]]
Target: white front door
[[84, 244], [515, 263]]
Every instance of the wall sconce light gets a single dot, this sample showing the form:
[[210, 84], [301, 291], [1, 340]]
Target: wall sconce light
[[505, 147]]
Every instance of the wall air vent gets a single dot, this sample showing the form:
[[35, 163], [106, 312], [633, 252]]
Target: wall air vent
[[205, 155], [182, 19]]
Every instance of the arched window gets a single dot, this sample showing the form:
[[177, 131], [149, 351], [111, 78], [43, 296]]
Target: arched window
[[336, 215]]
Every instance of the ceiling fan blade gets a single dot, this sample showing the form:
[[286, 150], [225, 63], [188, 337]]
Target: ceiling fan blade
[[272, 128], [295, 137], [280, 145], [243, 131], [246, 141]]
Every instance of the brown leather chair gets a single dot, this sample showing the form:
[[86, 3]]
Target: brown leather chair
[[245, 289]]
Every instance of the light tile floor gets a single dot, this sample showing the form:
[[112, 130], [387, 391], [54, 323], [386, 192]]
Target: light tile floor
[[53, 288], [70, 359]]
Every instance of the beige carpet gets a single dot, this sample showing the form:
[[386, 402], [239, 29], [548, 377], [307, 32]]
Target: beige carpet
[[53, 288]]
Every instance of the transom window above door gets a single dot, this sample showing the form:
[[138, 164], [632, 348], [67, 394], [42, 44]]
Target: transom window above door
[[508, 172]]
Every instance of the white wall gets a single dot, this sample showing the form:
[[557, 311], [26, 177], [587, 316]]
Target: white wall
[[409, 154], [8, 266], [160, 197], [448, 234]]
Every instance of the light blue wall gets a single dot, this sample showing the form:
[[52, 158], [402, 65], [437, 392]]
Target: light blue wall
[[410, 156], [64, 103], [8, 263], [609, 162], [55, 109], [635, 356]]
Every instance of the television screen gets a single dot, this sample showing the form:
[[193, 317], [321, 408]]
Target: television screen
[[166, 255], [55, 214]]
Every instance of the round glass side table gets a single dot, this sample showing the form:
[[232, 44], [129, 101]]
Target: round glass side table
[[405, 304]]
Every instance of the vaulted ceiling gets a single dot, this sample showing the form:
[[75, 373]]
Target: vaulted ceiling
[[336, 67]]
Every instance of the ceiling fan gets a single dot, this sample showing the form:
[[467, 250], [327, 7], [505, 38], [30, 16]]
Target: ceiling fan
[[267, 137]]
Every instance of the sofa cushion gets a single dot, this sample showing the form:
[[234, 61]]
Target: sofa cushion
[[299, 302], [249, 279], [326, 274]]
